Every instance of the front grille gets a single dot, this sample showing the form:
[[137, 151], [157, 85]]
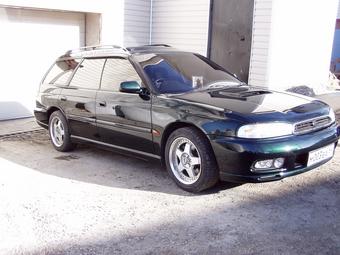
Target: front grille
[[312, 125]]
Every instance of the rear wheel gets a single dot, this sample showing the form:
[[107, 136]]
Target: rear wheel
[[59, 132], [190, 160]]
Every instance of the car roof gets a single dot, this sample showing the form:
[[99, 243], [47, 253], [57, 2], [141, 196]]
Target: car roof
[[114, 51], [150, 48], [154, 49]]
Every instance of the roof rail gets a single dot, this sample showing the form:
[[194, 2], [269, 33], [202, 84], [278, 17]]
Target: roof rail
[[97, 51], [148, 46], [95, 47], [159, 45]]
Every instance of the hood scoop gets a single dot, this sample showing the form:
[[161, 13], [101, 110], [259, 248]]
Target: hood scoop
[[255, 93], [239, 93]]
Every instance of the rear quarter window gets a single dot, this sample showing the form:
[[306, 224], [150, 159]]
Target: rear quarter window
[[61, 72]]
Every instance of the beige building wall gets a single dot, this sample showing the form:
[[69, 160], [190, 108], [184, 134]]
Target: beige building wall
[[292, 43]]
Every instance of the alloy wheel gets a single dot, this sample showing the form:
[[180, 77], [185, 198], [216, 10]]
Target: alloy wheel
[[185, 160], [57, 131]]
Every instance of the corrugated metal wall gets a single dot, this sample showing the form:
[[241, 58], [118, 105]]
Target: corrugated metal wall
[[136, 22], [182, 24], [260, 42]]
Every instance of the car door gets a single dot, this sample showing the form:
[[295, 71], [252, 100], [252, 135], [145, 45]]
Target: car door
[[123, 119], [78, 99]]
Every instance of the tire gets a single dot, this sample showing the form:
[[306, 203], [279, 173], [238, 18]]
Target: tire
[[59, 132], [190, 160]]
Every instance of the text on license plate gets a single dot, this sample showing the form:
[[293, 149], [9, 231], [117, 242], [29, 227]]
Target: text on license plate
[[321, 154]]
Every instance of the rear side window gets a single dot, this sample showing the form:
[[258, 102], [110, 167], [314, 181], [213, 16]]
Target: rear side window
[[117, 70], [61, 71], [88, 74]]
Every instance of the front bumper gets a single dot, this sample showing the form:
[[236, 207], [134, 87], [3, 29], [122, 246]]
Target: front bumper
[[235, 156]]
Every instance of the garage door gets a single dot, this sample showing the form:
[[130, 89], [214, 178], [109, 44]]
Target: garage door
[[30, 40]]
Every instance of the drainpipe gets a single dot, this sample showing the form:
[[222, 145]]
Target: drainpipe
[[150, 26]]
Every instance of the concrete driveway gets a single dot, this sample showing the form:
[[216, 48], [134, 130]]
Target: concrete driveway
[[92, 201]]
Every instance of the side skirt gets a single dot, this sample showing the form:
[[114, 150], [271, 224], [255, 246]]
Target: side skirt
[[116, 147]]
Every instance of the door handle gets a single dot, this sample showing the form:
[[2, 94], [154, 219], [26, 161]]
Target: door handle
[[63, 98], [102, 103]]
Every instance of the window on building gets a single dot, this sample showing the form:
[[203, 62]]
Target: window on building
[[88, 74], [117, 70]]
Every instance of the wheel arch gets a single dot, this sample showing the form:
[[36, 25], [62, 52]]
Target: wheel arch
[[169, 129], [52, 109]]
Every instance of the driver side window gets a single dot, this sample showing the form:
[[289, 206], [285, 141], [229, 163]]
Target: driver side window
[[117, 70]]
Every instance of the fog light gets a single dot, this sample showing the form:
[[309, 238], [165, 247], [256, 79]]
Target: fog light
[[278, 163], [269, 164], [264, 164]]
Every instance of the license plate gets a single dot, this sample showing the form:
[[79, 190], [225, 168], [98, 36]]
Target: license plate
[[321, 154]]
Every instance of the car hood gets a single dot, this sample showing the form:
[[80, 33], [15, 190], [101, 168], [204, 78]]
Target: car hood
[[251, 100]]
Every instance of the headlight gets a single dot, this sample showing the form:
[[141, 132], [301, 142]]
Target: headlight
[[331, 114], [265, 130]]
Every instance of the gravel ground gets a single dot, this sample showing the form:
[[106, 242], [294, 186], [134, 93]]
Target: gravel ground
[[92, 201]]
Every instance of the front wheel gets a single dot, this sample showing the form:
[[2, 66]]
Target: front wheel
[[59, 132], [190, 160]]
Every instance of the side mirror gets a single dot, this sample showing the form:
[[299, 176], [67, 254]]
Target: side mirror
[[130, 87]]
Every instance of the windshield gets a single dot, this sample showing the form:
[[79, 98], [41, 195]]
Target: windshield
[[179, 72]]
